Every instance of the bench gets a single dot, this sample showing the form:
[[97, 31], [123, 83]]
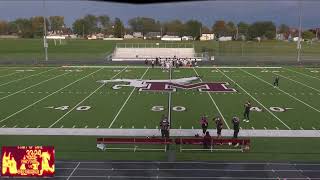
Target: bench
[[103, 143], [243, 144]]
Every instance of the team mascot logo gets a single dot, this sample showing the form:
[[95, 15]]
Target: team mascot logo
[[170, 85]]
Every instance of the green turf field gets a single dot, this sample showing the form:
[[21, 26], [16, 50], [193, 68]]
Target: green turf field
[[56, 97], [84, 50]]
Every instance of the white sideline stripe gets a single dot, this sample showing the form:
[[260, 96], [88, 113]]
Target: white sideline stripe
[[73, 171], [48, 96], [297, 82], [182, 177], [9, 74], [121, 132], [188, 169], [125, 102], [27, 77], [32, 86], [82, 101], [283, 91], [203, 67], [267, 109], [190, 162], [214, 102], [302, 73]]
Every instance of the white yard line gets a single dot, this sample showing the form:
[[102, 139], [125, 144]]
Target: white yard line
[[267, 109], [27, 77], [33, 86], [125, 102], [47, 96], [93, 92], [169, 99], [214, 102], [9, 74], [202, 67], [283, 91], [73, 171], [297, 82], [307, 75]]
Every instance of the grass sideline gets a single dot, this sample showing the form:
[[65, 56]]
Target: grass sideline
[[263, 149], [80, 50]]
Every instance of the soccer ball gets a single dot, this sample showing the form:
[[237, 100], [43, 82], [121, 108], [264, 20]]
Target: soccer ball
[[229, 143]]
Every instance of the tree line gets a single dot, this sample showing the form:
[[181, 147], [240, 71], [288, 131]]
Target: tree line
[[91, 24]]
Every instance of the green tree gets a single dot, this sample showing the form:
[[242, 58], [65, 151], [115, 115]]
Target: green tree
[[56, 23], [263, 29], [308, 35], [243, 29], [193, 28], [284, 29], [80, 27], [37, 26], [24, 27], [118, 28], [144, 25], [231, 29], [174, 26], [104, 23]]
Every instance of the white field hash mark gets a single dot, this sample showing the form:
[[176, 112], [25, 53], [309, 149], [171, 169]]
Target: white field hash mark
[[125, 102], [9, 74], [214, 102], [282, 91], [48, 96], [297, 82], [256, 100], [27, 77], [33, 86], [83, 100]]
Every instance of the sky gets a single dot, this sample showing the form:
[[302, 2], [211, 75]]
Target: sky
[[279, 11]]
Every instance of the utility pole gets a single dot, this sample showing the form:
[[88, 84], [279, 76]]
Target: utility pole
[[45, 44], [300, 29], [82, 30]]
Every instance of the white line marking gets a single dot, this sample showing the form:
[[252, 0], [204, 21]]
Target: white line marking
[[297, 82], [73, 171], [282, 91], [97, 126], [313, 128], [303, 74], [32, 86], [15, 126], [27, 77], [48, 96], [267, 109], [86, 127], [73, 126], [3, 126], [38, 126], [26, 126], [61, 126], [125, 102], [9, 74], [93, 92], [215, 104], [169, 100]]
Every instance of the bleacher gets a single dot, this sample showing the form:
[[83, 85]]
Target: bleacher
[[140, 52]]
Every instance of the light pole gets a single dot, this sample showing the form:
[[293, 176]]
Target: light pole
[[45, 44], [300, 29]]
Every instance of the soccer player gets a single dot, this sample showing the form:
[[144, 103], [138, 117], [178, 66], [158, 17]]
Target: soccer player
[[276, 82], [246, 113], [152, 63], [204, 124], [219, 125], [164, 126]]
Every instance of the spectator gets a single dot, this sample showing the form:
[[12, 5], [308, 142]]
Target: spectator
[[207, 141]]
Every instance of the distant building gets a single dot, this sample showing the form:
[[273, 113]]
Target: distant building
[[128, 36], [207, 37], [187, 38], [225, 38], [153, 35], [170, 38], [137, 35]]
